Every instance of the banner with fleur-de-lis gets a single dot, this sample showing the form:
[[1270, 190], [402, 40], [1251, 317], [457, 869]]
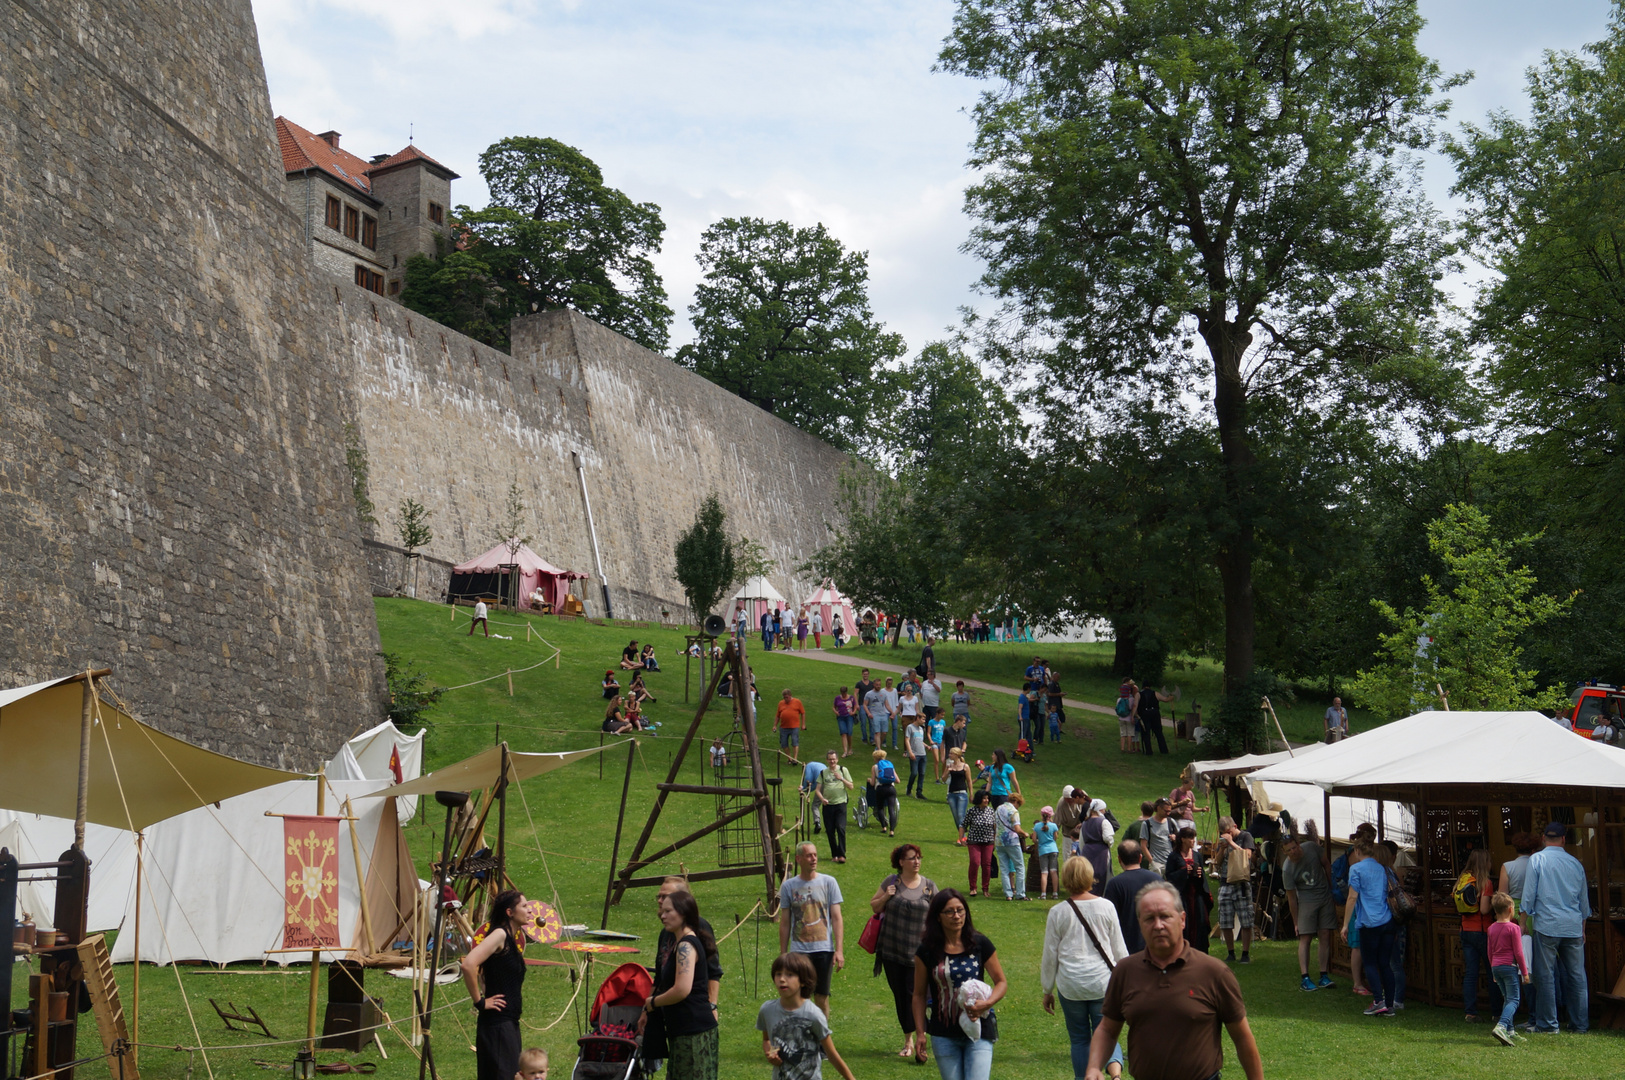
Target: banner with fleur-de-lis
[[311, 902]]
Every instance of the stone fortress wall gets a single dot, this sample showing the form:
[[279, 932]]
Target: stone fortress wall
[[174, 502], [452, 423], [177, 378]]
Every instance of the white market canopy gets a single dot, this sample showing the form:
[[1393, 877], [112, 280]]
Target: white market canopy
[[1204, 772], [759, 588], [138, 775], [482, 771], [1460, 755], [1306, 802]]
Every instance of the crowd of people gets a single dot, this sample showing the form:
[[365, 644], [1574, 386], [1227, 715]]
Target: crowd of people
[[623, 708]]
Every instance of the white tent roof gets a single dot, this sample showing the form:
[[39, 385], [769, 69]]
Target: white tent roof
[[372, 749], [1466, 749], [1203, 771], [827, 593], [758, 588]]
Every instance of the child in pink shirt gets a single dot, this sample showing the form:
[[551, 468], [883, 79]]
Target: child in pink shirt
[[1507, 963]]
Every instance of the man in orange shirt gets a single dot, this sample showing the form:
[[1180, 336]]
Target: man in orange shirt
[[789, 720]]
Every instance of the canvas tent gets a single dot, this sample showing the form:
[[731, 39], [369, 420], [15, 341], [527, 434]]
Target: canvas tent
[[1470, 754], [1305, 802], [484, 575], [758, 595], [1476, 780], [373, 749], [138, 775], [831, 605], [481, 771], [212, 889]]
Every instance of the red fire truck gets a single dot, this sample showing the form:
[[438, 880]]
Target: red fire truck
[[1592, 701]]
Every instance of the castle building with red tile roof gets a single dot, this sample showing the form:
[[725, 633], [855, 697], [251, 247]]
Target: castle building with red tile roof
[[364, 218]]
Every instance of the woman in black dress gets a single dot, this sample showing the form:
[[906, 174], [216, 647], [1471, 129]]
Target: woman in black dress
[[681, 999], [498, 962]]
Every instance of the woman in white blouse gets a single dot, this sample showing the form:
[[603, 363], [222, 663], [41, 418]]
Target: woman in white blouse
[[1082, 943]]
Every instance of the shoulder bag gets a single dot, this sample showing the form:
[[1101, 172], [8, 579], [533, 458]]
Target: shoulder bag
[[1087, 929], [869, 940], [1401, 903]]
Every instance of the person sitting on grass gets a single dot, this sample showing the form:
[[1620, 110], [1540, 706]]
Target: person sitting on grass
[[647, 659], [637, 691], [615, 721], [630, 658], [612, 688]]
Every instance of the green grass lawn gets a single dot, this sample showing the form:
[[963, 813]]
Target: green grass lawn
[[561, 827]]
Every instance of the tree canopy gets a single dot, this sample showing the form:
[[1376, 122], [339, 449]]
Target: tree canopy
[[553, 235], [1161, 171], [781, 318]]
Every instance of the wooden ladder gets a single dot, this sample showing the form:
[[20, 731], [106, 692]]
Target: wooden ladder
[[104, 1000]]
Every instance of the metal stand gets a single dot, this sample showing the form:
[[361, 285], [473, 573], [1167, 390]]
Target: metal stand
[[451, 800]]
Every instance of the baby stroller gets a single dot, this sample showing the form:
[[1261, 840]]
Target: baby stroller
[[859, 808], [612, 1048], [1024, 751]]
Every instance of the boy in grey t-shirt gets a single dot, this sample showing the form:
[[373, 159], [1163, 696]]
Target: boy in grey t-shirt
[[795, 1032]]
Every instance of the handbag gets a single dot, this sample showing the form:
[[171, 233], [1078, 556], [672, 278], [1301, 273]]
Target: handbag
[[1400, 903], [869, 940], [1087, 929]]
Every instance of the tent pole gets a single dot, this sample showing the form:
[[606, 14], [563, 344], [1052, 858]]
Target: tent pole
[[620, 819], [135, 968], [361, 877], [305, 1065], [502, 824], [82, 808]]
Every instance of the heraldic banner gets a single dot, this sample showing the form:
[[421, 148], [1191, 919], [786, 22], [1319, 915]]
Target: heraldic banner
[[311, 901]]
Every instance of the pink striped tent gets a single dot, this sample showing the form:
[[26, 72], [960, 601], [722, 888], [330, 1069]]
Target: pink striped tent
[[831, 605]]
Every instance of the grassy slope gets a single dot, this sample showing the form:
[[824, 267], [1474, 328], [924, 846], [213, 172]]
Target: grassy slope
[[574, 813]]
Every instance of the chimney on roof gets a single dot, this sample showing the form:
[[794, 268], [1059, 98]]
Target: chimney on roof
[[331, 138], [378, 159]]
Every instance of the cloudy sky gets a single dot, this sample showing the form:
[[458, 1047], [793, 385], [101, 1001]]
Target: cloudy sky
[[810, 112]]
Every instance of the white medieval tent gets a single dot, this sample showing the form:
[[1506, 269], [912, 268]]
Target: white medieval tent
[[831, 605], [1305, 802], [758, 595]]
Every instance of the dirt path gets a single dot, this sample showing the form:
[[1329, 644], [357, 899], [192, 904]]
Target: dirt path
[[947, 679]]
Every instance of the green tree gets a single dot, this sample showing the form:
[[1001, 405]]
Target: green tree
[[1234, 171], [950, 416], [511, 531], [412, 525], [1466, 639], [705, 559], [553, 235], [781, 318], [885, 554], [411, 695], [457, 290]]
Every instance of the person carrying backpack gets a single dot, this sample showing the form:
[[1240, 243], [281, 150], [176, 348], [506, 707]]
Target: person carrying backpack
[[1127, 700], [884, 796], [1471, 895]]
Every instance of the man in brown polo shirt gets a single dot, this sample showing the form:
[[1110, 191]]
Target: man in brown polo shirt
[[1174, 1000]]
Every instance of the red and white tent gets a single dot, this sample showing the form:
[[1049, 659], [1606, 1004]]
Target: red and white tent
[[831, 605], [483, 576]]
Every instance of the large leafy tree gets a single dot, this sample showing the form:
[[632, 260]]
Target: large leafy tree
[[1161, 171], [553, 235], [1466, 640], [705, 558], [781, 318]]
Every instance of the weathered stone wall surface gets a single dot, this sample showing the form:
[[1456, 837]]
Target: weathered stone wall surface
[[174, 502], [452, 423]]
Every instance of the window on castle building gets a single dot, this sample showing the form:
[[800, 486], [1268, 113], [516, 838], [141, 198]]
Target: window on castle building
[[394, 288], [352, 222], [437, 213], [332, 212], [369, 279], [369, 231]]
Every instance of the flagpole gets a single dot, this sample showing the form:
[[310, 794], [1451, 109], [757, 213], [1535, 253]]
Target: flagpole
[[304, 1066]]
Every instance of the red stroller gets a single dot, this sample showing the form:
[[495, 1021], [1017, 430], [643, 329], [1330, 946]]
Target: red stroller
[[612, 1048], [1024, 751]]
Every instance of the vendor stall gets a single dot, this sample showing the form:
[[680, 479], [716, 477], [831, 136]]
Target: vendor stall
[[1475, 779]]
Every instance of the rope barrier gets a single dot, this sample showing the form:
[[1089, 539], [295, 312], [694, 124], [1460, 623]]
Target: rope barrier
[[510, 671]]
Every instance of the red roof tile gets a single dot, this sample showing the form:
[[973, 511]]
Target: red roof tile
[[303, 150], [409, 153]]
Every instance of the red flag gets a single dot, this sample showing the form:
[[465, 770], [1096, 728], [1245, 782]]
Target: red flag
[[311, 901], [395, 764]]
